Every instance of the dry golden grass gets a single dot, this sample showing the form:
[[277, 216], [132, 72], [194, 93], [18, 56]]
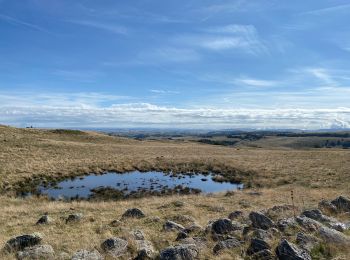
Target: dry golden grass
[[26, 153], [18, 216]]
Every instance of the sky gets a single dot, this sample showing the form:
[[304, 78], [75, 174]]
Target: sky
[[273, 64]]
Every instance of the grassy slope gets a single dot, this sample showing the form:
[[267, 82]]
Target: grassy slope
[[312, 174]]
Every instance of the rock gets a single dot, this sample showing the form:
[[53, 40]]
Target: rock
[[115, 223], [200, 242], [45, 219], [338, 226], [259, 220], [223, 226], [280, 211], [36, 253], [333, 236], [308, 223], [316, 214], [180, 252], [133, 213], [285, 223], [262, 234], [194, 228], [76, 217], [87, 255], [342, 204], [257, 245], [327, 206], [115, 246], [226, 244], [23, 241], [178, 203], [235, 214], [171, 226], [262, 255], [181, 235], [138, 234], [305, 241], [183, 219], [145, 250], [63, 256], [288, 251]]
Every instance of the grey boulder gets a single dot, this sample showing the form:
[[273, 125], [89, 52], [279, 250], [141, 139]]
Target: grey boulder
[[180, 252], [115, 246], [36, 253], [23, 241]]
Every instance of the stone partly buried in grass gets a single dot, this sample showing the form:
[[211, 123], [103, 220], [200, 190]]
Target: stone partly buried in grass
[[115, 246], [21, 242], [180, 252], [37, 252], [133, 213]]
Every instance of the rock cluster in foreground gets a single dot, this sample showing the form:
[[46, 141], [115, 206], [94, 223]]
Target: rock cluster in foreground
[[252, 236]]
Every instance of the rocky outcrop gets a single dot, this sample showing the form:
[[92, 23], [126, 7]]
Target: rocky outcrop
[[87, 255], [342, 204], [223, 226], [172, 226], [305, 241], [133, 213], [72, 218], [259, 220], [44, 220], [333, 236], [226, 244], [180, 252], [115, 246], [288, 251], [308, 223], [257, 245], [36, 253], [23, 241]]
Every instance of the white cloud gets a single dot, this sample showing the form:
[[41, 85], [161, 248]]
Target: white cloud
[[162, 91], [256, 82], [71, 114], [228, 37]]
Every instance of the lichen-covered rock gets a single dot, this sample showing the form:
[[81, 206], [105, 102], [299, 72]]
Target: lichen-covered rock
[[115, 246], [44, 220], [138, 234], [286, 223], [262, 234], [223, 226], [259, 220], [180, 252], [23, 241], [76, 217], [145, 250], [308, 223], [333, 236], [327, 207], [342, 204], [317, 215], [172, 226], [235, 214], [226, 244], [257, 245], [305, 241], [193, 228], [133, 213], [288, 251], [37, 252], [87, 255], [181, 235], [263, 255]]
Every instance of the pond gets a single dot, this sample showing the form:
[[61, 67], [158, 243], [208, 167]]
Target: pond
[[136, 182]]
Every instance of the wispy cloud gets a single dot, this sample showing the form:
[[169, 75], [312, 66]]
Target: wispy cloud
[[338, 8], [169, 54], [163, 91], [227, 37], [256, 82], [109, 27], [15, 21]]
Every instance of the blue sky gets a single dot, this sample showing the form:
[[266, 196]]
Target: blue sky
[[186, 63]]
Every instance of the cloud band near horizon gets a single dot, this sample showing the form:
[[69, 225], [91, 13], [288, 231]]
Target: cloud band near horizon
[[148, 115]]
